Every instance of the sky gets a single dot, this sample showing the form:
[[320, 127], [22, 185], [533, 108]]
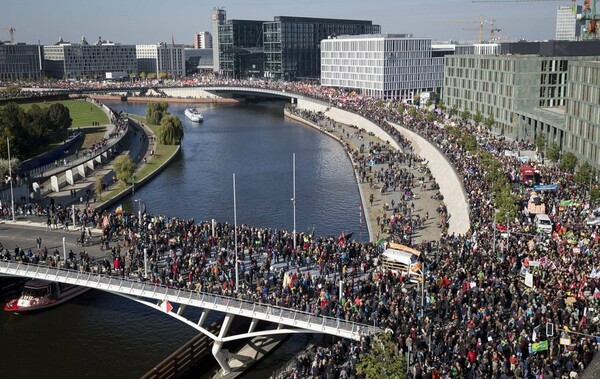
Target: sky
[[153, 21]]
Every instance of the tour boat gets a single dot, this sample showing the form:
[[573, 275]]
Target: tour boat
[[39, 295], [194, 114]]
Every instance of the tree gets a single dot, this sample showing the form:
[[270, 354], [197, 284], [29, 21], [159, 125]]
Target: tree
[[489, 122], [553, 152], [454, 110], [59, 116], [170, 131], [412, 112], [585, 174], [568, 162], [465, 115], [478, 117], [124, 168], [428, 103], [143, 75], [98, 187], [440, 105], [382, 360], [151, 75], [162, 75], [506, 204], [540, 142], [431, 116], [155, 112], [401, 108]]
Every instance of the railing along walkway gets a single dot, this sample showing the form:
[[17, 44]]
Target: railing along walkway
[[279, 315]]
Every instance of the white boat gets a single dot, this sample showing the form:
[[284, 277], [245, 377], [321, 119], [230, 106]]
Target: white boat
[[39, 295], [194, 114]]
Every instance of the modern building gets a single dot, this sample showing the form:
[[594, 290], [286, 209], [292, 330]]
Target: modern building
[[198, 61], [218, 17], [241, 48], [20, 61], [531, 94], [293, 44], [567, 26], [203, 40], [582, 129], [65, 60], [386, 66], [162, 59]]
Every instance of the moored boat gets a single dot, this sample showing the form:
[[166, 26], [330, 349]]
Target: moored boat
[[38, 295], [194, 114]]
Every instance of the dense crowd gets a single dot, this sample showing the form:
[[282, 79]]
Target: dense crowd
[[480, 318]]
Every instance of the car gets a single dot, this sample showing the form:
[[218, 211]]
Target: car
[[543, 223]]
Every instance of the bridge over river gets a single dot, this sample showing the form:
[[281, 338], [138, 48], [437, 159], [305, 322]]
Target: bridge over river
[[160, 298]]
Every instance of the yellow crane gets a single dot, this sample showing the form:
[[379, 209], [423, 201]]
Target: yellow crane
[[11, 31], [481, 21]]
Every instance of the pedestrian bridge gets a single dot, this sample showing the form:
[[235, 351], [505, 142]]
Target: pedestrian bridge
[[161, 297]]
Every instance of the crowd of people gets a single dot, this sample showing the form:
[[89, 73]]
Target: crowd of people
[[480, 320]]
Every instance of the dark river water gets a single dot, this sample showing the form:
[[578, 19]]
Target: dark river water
[[100, 335]]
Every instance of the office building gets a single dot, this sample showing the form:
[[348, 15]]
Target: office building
[[162, 59], [293, 44], [241, 49], [20, 61], [385, 66], [218, 17], [532, 94], [203, 40], [582, 129], [66, 60], [567, 26]]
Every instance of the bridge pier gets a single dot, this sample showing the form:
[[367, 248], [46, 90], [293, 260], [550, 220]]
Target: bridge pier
[[219, 355]]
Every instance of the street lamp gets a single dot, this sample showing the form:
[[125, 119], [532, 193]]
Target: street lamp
[[294, 194], [12, 196], [235, 237]]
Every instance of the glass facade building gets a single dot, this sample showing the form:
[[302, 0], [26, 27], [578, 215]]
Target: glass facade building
[[238, 40], [20, 61], [293, 44]]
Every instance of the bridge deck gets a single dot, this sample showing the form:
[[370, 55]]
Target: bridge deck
[[279, 315]]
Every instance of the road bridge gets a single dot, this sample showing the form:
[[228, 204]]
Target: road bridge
[[161, 299]]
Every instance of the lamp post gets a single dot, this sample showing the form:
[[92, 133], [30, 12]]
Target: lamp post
[[12, 196], [294, 194], [235, 237]]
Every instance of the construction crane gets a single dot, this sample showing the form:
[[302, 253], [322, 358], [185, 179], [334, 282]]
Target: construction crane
[[492, 31], [589, 18], [11, 31], [481, 21]]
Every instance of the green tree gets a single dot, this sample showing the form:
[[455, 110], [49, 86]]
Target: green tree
[[454, 110], [379, 103], [401, 108], [506, 204], [465, 114], [568, 162], [440, 105], [595, 194], [124, 168], [540, 142], [59, 116], [489, 122], [478, 117], [162, 75], [170, 131], [585, 174], [151, 75], [156, 112], [382, 360], [553, 152], [431, 116], [428, 103], [412, 111], [143, 75], [98, 188]]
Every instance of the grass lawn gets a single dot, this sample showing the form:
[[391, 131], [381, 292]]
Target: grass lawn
[[82, 112]]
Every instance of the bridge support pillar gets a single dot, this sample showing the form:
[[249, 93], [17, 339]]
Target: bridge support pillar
[[202, 317], [253, 324], [219, 355]]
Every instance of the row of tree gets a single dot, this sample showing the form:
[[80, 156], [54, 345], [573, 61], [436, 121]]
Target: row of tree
[[29, 131]]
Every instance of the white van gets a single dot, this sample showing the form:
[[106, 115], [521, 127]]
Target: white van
[[543, 223]]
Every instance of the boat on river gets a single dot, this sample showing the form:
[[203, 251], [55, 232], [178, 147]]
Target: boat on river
[[38, 295], [194, 114]]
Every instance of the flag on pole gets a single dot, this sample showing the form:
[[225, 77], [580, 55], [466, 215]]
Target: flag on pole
[[166, 306], [119, 209]]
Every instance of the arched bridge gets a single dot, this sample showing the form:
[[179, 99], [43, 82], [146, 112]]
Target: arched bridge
[[288, 320]]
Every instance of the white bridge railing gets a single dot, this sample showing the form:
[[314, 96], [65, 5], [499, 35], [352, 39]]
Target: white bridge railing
[[279, 315]]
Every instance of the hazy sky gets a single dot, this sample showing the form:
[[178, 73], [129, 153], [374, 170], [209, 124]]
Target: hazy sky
[[151, 21]]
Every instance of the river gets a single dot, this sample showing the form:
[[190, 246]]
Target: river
[[100, 335]]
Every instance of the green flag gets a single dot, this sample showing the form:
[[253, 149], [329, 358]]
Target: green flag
[[539, 346]]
